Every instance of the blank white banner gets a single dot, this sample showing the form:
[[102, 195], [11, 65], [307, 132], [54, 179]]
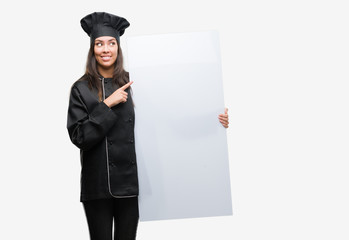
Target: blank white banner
[[181, 146]]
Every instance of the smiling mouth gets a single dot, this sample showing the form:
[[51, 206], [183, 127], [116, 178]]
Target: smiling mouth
[[106, 58]]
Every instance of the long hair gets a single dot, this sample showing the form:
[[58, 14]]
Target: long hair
[[120, 76]]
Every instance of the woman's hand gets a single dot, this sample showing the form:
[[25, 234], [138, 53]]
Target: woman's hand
[[224, 118], [118, 96]]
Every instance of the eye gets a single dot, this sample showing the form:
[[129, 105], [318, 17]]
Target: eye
[[98, 44], [112, 43]]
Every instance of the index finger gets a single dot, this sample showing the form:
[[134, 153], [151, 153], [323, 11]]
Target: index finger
[[126, 85]]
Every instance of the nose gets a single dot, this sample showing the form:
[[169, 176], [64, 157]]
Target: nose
[[106, 48]]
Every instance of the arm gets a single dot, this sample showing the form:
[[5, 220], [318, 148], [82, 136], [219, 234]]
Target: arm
[[88, 128]]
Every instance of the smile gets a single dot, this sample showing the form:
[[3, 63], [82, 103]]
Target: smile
[[106, 58]]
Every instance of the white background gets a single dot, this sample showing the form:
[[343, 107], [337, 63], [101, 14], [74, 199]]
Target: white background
[[285, 73]]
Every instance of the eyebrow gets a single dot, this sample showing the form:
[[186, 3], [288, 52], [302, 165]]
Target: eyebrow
[[110, 40]]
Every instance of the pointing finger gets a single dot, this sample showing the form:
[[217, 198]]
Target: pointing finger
[[126, 85]]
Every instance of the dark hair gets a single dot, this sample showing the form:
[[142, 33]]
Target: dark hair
[[120, 76]]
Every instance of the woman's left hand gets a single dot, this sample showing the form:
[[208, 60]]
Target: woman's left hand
[[224, 118]]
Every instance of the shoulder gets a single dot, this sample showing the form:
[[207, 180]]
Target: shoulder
[[80, 83]]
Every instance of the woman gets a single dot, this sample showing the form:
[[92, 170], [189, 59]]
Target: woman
[[101, 124]]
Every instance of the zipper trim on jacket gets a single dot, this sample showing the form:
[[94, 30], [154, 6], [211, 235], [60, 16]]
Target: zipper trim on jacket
[[106, 151]]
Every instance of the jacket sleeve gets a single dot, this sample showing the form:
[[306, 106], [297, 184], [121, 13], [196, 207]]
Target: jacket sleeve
[[88, 128]]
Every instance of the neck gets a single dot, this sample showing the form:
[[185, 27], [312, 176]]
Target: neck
[[106, 73]]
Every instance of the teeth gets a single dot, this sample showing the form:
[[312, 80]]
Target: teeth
[[105, 58]]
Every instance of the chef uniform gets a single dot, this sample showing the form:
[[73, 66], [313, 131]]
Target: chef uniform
[[105, 137]]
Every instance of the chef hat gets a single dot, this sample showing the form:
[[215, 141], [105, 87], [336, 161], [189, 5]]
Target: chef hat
[[99, 24]]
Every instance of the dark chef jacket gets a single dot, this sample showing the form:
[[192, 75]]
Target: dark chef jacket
[[105, 137]]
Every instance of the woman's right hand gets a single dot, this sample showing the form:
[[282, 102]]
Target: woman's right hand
[[118, 96]]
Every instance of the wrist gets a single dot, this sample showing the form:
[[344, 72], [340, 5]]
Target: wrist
[[107, 103]]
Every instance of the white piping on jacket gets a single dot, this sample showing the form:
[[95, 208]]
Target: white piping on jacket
[[106, 151]]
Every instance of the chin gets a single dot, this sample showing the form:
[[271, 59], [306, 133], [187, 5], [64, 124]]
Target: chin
[[106, 65]]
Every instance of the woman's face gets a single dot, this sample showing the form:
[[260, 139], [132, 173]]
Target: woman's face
[[106, 51]]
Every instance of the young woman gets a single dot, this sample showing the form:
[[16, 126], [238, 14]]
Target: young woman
[[101, 124]]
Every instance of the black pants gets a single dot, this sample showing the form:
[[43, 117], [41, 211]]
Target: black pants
[[101, 213]]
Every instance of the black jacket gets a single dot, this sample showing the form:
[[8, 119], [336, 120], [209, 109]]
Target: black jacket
[[105, 137]]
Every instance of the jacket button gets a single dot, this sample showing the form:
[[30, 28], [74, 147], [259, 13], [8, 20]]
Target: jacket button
[[130, 119], [110, 143], [131, 140], [111, 164]]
